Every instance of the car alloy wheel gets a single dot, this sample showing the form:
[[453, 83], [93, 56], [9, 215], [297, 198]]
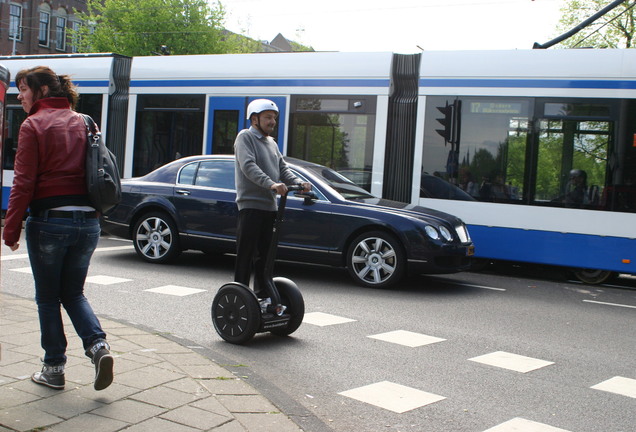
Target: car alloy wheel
[[156, 238], [375, 259]]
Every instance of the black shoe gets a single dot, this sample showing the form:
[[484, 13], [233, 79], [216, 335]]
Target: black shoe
[[50, 376], [103, 360]]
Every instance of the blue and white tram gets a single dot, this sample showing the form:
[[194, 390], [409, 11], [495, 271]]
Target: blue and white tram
[[544, 144], [491, 136]]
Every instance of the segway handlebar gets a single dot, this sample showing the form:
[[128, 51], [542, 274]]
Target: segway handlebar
[[294, 188]]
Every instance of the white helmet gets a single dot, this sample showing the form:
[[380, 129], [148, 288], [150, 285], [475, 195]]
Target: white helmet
[[257, 106]]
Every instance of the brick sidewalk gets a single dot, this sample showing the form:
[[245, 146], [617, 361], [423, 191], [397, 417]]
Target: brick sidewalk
[[159, 385]]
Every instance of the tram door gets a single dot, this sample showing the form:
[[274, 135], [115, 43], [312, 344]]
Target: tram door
[[573, 153], [227, 116]]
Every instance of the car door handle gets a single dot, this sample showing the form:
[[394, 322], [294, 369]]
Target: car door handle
[[183, 192]]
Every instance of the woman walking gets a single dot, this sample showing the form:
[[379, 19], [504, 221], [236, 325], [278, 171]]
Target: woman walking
[[62, 229]]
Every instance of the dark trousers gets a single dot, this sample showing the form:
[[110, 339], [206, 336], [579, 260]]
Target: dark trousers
[[60, 251], [253, 240]]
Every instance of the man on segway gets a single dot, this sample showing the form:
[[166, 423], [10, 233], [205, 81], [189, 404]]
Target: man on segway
[[261, 174]]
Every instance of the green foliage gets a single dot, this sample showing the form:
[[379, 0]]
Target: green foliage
[[142, 27], [616, 29]]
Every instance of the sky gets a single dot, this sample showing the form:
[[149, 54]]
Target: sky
[[400, 26]]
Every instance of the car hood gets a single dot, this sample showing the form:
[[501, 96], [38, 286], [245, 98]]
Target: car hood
[[412, 210]]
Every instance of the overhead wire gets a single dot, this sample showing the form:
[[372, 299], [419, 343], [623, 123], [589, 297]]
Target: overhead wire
[[605, 24]]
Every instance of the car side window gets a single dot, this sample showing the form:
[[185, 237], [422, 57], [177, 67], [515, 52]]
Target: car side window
[[319, 195], [186, 175], [216, 174]]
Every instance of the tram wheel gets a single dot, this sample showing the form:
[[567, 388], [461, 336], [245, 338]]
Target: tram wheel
[[594, 277], [236, 314], [292, 298]]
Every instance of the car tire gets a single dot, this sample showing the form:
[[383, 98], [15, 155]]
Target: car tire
[[376, 259], [156, 238], [594, 277]]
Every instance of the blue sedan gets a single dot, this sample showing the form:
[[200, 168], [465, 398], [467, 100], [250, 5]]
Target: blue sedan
[[189, 204]]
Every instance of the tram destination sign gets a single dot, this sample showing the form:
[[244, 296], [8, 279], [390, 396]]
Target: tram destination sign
[[495, 108]]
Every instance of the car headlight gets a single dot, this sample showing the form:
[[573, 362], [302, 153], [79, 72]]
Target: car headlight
[[431, 232], [446, 233]]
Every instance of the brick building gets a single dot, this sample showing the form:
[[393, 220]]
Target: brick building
[[38, 27]]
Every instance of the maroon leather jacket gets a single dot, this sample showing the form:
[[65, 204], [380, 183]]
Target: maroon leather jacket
[[49, 167]]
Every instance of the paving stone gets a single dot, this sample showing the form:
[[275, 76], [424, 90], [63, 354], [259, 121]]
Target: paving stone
[[146, 340], [89, 422], [189, 385], [232, 426], [114, 392], [19, 370], [129, 411], [147, 377], [208, 371], [186, 358], [212, 405], [159, 424], [127, 331], [122, 346], [24, 418], [195, 417], [246, 403], [165, 397], [235, 386], [66, 405], [267, 422], [10, 396], [9, 356]]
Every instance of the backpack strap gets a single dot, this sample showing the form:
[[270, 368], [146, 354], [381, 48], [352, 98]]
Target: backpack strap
[[91, 127]]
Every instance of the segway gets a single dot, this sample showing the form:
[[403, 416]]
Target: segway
[[237, 314]]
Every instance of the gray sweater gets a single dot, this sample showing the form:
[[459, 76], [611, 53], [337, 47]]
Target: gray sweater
[[259, 164]]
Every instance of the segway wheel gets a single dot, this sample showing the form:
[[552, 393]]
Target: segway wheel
[[292, 298], [236, 314]]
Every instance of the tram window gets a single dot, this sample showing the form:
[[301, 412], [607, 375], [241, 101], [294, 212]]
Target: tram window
[[226, 125], [168, 127], [576, 110], [488, 161], [90, 104], [334, 131], [572, 162], [620, 193], [15, 115]]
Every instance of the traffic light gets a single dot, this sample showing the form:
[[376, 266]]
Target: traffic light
[[450, 121]]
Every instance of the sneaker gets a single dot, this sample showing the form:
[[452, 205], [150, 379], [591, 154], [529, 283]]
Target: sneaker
[[103, 360], [50, 376], [265, 303]]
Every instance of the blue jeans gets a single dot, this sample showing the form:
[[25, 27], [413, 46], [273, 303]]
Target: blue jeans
[[60, 251]]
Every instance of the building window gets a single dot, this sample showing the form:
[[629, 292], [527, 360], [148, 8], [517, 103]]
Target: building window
[[15, 22], [60, 33], [43, 34], [75, 37]]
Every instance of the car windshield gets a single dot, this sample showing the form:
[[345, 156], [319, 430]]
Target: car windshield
[[340, 183]]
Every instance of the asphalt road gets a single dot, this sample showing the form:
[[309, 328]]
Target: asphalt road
[[517, 348]]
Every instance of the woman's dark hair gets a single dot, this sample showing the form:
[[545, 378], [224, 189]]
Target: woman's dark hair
[[59, 85]]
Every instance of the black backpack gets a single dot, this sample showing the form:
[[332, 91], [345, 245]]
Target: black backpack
[[102, 174]]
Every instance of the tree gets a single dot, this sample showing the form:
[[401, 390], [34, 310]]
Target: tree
[[616, 29], [143, 27]]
